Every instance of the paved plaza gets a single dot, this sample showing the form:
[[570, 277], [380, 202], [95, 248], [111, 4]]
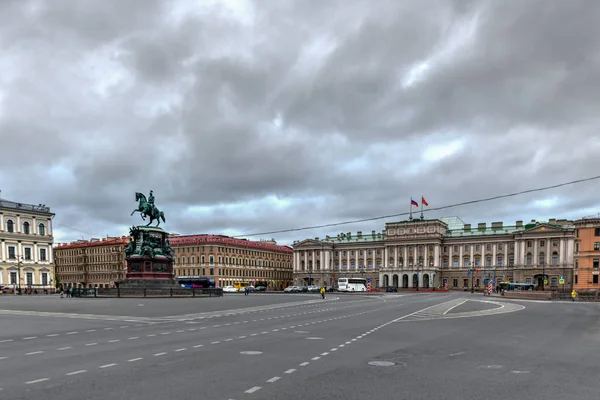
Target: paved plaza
[[298, 346]]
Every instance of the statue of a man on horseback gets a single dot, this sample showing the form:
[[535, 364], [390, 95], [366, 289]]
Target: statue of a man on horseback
[[146, 208]]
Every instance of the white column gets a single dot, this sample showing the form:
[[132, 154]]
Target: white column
[[522, 253], [494, 262], [395, 257], [348, 260], [18, 228], [19, 250], [569, 253], [2, 226], [385, 261], [405, 261], [535, 252], [561, 251], [472, 256], [365, 255], [339, 258], [450, 256], [49, 230], [314, 264], [34, 228], [357, 259], [322, 263], [548, 250], [505, 263], [460, 255], [436, 256]]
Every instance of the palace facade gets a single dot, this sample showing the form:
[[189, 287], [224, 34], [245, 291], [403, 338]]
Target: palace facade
[[230, 260], [91, 263], [26, 258], [442, 252], [587, 254]]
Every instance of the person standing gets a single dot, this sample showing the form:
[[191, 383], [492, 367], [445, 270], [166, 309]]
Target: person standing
[[323, 292], [573, 295]]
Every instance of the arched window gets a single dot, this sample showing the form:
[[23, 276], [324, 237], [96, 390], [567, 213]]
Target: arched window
[[42, 229], [10, 226], [529, 259], [26, 228], [542, 258], [555, 258]]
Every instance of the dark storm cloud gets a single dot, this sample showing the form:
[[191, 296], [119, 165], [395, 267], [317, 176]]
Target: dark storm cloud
[[332, 106]]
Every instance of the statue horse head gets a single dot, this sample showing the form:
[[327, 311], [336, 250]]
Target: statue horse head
[[140, 197]]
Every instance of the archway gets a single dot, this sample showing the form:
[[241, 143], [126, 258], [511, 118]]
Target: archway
[[426, 281], [386, 281], [405, 281], [395, 280], [415, 282]]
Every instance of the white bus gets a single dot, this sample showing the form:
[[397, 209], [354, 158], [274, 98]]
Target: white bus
[[352, 285]]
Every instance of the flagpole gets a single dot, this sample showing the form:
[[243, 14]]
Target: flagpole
[[411, 205], [421, 207]]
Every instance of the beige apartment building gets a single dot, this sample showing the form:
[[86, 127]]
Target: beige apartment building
[[26, 258], [229, 260], [443, 252], [91, 263]]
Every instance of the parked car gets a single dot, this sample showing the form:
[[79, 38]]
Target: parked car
[[261, 288], [313, 288], [229, 289]]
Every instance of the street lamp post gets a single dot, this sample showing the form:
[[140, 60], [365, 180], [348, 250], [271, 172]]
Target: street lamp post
[[19, 260], [472, 279], [543, 275], [419, 266]]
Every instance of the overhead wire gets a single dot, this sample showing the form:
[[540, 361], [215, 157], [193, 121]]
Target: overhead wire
[[464, 203]]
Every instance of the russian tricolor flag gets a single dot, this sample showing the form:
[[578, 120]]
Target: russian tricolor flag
[[414, 203]]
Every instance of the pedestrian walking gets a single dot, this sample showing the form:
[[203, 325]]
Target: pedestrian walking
[[323, 292], [573, 295]]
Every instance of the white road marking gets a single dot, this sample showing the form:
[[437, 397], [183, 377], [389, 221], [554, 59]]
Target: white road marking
[[91, 344], [37, 381], [198, 345], [63, 348], [151, 335], [135, 359], [107, 366], [159, 354], [324, 354], [178, 350], [72, 333], [52, 335], [315, 358], [252, 390], [76, 372], [241, 337], [290, 371], [304, 364], [91, 330], [273, 379], [30, 337], [114, 341], [216, 342], [34, 352], [133, 338]]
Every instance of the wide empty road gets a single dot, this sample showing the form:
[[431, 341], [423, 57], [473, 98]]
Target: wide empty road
[[277, 346]]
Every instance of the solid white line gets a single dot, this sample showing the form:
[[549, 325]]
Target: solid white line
[[453, 307], [37, 381], [6, 340], [76, 372], [159, 354], [252, 390], [107, 366], [289, 371], [63, 348], [198, 345], [91, 344], [273, 379], [135, 359]]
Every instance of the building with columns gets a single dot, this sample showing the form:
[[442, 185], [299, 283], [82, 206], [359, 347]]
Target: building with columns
[[26, 258], [439, 252], [587, 254]]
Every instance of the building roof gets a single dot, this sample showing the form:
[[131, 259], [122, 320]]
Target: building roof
[[227, 241], [13, 205], [92, 243]]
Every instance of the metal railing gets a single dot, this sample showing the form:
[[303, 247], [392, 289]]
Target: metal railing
[[147, 292]]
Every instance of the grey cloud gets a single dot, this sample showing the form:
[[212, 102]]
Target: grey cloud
[[194, 115]]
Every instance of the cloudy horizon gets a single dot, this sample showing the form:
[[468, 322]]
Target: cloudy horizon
[[248, 117]]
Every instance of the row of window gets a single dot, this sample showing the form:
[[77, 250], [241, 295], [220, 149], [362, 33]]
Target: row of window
[[10, 227], [596, 232], [232, 272], [233, 261], [27, 253], [29, 278], [179, 249]]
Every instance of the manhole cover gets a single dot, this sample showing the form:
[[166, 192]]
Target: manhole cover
[[314, 338], [250, 353], [381, 363]]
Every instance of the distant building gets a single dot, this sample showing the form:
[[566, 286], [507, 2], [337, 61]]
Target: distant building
[[587, 253], [230, 260], [442, 252], [91, 263], [26, 258]]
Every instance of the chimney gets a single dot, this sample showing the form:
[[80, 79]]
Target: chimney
[[373, 233], [481, 225], [519, 224], [467, 227], [359, 234], [497, 224]]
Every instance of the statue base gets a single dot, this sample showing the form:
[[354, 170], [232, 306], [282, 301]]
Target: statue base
[[149, 257]]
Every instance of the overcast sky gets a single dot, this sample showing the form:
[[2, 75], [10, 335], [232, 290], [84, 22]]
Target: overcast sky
[[253, 116]]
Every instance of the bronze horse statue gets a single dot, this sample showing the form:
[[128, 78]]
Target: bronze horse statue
[[148, 210]]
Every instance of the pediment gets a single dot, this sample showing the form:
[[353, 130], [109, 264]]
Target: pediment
[[307, 243], [544, 228]]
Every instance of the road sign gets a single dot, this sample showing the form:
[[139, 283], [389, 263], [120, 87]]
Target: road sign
[[561, 281], [562, 277], [368, 280], [545, 281]]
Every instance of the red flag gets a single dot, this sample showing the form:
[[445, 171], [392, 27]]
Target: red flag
[[424, 202]]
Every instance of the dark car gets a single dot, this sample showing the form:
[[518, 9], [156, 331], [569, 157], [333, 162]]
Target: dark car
[[261, 288]]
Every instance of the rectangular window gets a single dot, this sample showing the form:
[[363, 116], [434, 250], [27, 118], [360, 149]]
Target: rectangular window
[[465, 282], [11, 252], [529, 243], [29, 278], [44, 279], [595, 279], [478, 247], [596, 246], [13, 278], [576, 279], [454, 282], [42, 254], [596, 263], [499, 246], [27, 253], [596, 232], [212, 271], [500, 260], [576, 264]]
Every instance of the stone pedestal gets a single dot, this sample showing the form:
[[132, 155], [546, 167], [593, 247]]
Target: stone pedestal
[[149, 259]]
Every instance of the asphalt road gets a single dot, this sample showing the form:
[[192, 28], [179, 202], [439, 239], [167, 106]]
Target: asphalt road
[[417, 346]]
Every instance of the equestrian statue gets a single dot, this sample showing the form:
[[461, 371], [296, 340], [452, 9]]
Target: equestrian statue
[[146, 208]]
